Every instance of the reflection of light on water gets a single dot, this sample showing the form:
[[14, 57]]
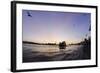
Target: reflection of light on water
[[45, 48], [52, 50], [50, 54], [36, 52], [49, 50], [62, 52]]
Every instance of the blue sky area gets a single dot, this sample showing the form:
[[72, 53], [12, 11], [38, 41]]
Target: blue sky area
[[54, 27]]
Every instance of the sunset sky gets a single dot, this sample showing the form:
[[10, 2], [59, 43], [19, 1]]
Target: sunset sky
[[54, 27]]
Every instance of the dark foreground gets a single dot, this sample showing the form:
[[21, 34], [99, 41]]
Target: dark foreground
[[73, 52]]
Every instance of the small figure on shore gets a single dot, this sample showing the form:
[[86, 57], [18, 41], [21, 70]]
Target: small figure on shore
[[62, 45]]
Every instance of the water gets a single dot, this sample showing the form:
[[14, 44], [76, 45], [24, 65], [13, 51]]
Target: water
[[39, 53], [41, 48]]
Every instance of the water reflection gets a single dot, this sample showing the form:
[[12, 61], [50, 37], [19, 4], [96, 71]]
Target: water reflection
[[35, 53]]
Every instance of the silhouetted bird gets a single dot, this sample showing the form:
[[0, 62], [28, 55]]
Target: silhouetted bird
[[29, 14]]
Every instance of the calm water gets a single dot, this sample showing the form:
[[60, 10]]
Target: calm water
[[35, 53], [41, 48]]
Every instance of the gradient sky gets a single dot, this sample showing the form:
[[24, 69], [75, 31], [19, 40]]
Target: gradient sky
[[54, 27]]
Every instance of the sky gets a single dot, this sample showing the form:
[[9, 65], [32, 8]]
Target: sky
[[54, 27]]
